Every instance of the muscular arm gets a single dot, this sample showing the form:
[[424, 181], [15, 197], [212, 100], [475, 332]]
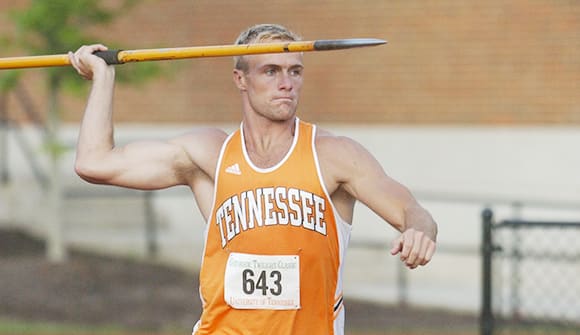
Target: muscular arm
[[349, 167], [143, 164]]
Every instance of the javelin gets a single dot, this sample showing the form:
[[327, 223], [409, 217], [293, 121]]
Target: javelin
[[126, 56]]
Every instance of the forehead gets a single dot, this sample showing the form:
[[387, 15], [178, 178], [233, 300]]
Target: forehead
[[280, 59]]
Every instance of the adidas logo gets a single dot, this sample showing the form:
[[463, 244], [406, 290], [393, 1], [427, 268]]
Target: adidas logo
[[234, 169]]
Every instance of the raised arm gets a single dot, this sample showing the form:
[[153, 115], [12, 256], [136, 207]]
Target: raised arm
[[141, 164], [348, 167]]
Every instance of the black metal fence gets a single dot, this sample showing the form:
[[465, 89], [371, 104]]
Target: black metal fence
[[531, 277]]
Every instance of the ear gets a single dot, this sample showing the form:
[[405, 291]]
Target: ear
[[240, 79]]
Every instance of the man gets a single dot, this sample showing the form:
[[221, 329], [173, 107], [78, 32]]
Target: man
[[278, 196]]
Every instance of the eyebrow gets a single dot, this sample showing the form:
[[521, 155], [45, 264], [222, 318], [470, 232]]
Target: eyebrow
[[293, 67]]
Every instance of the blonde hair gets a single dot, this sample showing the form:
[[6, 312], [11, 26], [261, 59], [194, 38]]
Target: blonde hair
[[262, 33]]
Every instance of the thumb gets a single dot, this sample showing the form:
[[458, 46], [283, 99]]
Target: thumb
[[397, 245]]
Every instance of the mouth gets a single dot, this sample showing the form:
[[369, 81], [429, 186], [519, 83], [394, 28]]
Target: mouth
[[284, 99]]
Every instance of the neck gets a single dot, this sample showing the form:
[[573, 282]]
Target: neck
[[267, 142]]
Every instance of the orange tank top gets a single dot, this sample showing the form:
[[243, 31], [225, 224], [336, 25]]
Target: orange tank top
[[274, 246]]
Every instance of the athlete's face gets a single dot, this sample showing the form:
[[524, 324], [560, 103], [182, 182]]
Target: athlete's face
[[272, 84]]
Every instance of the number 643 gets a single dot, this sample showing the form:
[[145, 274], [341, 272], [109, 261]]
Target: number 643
[[262, 282]]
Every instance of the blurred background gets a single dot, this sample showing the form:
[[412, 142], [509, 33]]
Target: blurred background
[[472, 105]]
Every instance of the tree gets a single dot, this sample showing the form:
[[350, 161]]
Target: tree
[[55, 27]]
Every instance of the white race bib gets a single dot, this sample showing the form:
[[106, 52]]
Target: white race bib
[[262, 282]]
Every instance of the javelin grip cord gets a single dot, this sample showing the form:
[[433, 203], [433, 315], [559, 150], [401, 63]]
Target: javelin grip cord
[[111, 57]]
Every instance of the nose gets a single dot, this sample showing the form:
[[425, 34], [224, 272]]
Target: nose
[[285, 81]]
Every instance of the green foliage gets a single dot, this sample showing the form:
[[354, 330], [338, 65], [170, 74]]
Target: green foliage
[[59, 26], [9, 326], [56, 27], [54, 148], [8, 80]]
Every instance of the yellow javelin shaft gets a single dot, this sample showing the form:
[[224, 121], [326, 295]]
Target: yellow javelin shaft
[[125, 56], [33, 61]]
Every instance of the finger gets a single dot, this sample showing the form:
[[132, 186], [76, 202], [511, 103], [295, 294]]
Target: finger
[[429, 253], [397, 245], [99, 47], [85, 54], [73, 57], [415, 253], [422, 258], [407, 246], [85, 62], [91, 49], [74, 60]]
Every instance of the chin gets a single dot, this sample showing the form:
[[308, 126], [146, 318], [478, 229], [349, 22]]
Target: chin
[[285, 116]]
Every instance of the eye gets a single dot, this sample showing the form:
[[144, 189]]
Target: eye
[[296, 72], [270, 72]]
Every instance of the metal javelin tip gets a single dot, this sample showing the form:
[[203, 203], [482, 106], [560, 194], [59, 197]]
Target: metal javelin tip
[[347, 43]]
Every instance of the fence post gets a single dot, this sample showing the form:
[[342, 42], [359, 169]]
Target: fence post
[[5, 194], [486, 314], [402, 285], [151, 247], [4, 127], [516, 260]]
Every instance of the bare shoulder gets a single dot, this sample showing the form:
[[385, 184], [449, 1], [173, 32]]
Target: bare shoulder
[[331, 146], [325, 138], [202, 147], [209, 136], [341, 157]]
